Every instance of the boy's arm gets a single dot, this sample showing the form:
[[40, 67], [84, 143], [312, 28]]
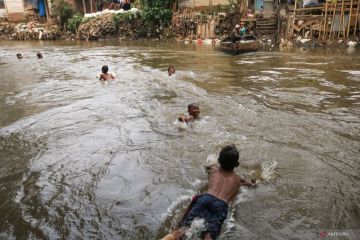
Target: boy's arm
[[184, 119], [209, 168], [247, 183]]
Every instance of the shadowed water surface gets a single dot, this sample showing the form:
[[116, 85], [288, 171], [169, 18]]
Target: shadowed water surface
[[85, 160]]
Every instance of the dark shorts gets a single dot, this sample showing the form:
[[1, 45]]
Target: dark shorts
[[211, 209]]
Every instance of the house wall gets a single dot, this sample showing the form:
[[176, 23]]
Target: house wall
[[15, 10], [201, 3], [79, 7]]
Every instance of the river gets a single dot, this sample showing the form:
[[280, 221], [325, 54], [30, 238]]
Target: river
[[86, 160]]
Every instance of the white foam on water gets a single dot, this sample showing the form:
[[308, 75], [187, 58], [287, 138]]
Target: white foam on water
[[272, 72], [268, 170], [181, 125], [351, 72]]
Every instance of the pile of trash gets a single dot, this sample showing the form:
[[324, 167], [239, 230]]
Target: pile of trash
[[6, 29], [36, 31], [109, 24], [97, 28]]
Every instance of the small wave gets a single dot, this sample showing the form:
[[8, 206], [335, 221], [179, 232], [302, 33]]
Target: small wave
[[351, 72], [246, 62], [272, 72]]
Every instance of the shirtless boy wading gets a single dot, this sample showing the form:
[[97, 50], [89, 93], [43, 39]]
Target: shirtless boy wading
[[212, 206]]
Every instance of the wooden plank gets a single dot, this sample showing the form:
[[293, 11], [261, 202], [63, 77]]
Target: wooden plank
[[84, 6], [356, 18], [332, 21], [326, 24], [293, 26], [341, 18], [348, 29], [308, 9], [293, 23]]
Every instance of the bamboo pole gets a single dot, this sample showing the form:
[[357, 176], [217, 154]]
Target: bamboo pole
[[322, 27], [333, 20], [357, 16], [84, 6], [326, 20], [343, 29], [341, 18], [293, 21], [348, 29], [47, 10]]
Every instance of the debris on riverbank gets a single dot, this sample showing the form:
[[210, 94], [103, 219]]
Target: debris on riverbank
[[6, 29], [124, 25], [36, 31]]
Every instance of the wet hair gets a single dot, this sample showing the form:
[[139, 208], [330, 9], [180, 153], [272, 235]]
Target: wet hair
[[191, 105], [39, 55], [229, 158], [19, 55], [171, 67], [105, 69]]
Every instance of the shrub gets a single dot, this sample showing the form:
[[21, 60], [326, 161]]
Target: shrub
[[74, 22], [62, 10]]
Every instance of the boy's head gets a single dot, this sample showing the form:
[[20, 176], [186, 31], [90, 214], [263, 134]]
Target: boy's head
[[19, 56], [39, 55], [171, 70], [105, 69], [229, 158], [193, 110]]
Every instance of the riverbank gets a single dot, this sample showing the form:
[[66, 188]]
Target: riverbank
[[107, 26]]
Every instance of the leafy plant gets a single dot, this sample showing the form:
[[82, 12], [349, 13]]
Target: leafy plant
[[123, 18], [157, 14], [62, 10], [74, 22]]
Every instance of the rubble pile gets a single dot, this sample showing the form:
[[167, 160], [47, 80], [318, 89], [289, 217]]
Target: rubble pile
[[36, 31], [105, 26], [97, 28], [6, 29]]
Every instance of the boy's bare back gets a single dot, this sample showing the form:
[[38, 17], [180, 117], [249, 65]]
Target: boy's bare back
[[106, 76], [223, 184]]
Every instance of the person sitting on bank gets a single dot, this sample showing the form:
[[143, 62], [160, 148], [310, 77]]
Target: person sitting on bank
[[104, 76], [193, 111], [235, 34], [261, 13], [171, 70], [243, 30], [212, 206], [126, 5]]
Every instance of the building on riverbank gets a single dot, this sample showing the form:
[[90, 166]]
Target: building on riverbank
[[336, 19], [21, 10]]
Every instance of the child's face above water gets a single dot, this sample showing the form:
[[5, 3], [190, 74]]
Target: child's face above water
[[194, 111], [171, 71]]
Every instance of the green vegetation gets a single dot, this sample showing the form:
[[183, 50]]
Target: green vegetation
[[62, 10], [123, 18], [74, 22], [157, 15]]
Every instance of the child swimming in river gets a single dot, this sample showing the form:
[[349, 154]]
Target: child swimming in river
[[104, 76], [171, 70], [193, 111], [212, 206]]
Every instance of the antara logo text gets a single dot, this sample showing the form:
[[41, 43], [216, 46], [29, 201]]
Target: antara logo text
[[334, 234]]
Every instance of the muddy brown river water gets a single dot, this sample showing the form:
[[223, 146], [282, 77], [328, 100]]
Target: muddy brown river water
[[84, 160]]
